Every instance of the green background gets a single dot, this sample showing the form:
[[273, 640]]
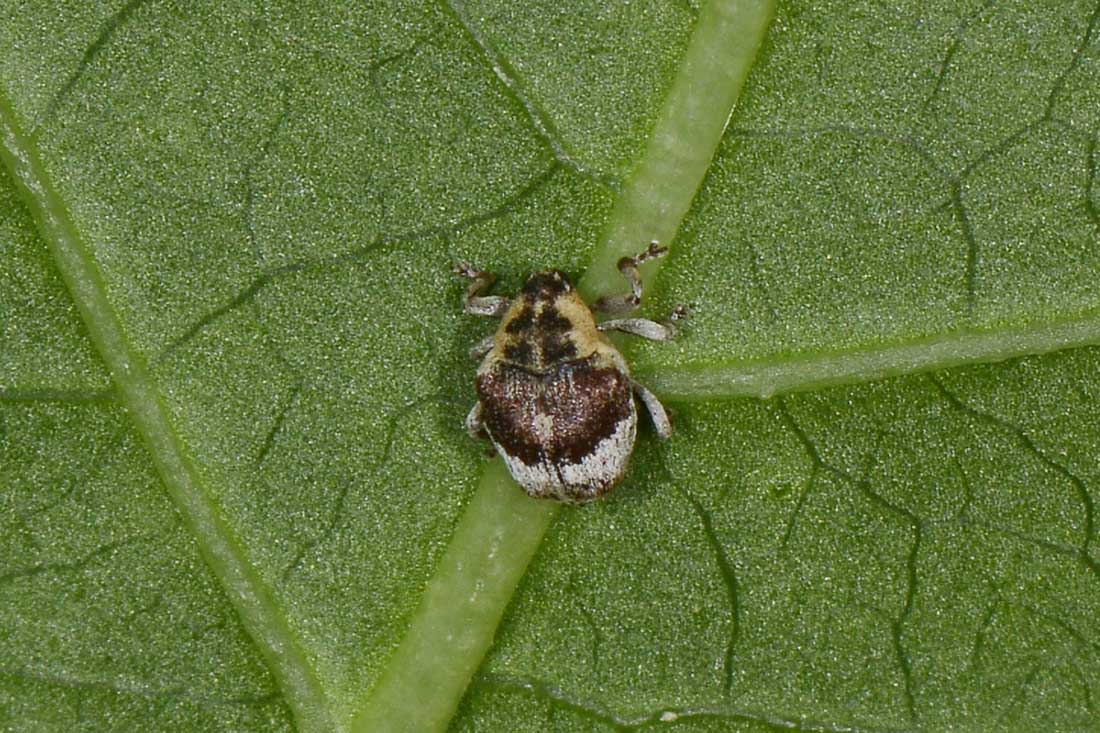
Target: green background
[[274, 194]]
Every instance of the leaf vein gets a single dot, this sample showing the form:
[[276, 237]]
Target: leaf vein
[[540, 119], [126, 687], [249, 293], [246, 591], [728, 572], [1084, 497], [106, 33], [768, 377], [663, 717]]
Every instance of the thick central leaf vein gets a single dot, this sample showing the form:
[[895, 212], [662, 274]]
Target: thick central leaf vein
[[450, 632]]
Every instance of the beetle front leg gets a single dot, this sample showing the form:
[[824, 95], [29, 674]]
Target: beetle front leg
[[628, 266], [474, 302]]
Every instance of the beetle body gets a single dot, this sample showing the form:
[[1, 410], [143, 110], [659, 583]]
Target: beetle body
[[555, 397]]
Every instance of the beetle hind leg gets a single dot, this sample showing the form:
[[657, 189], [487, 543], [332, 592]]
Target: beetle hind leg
[[474, 423], [656, 410]]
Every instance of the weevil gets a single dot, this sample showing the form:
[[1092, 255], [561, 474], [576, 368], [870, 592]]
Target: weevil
[[555, 397]]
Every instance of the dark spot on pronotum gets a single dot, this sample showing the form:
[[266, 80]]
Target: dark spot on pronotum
[[557, 347], [550, 320], [523, 321], [519, 352]]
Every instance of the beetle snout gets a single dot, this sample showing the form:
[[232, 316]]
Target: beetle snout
[[547, 285]]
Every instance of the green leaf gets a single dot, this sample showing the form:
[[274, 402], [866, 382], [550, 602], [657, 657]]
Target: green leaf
[[234, 485]]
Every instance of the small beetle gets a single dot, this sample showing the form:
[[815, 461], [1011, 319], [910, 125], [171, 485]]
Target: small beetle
[[555, 397]]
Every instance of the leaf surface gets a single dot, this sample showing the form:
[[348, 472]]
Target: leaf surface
[[224, 488]]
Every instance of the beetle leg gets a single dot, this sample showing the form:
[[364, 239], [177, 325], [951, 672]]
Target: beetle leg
[[474, 302], [483, 347], [647, 329], [474, 425], [655, 409], [628, 266]]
